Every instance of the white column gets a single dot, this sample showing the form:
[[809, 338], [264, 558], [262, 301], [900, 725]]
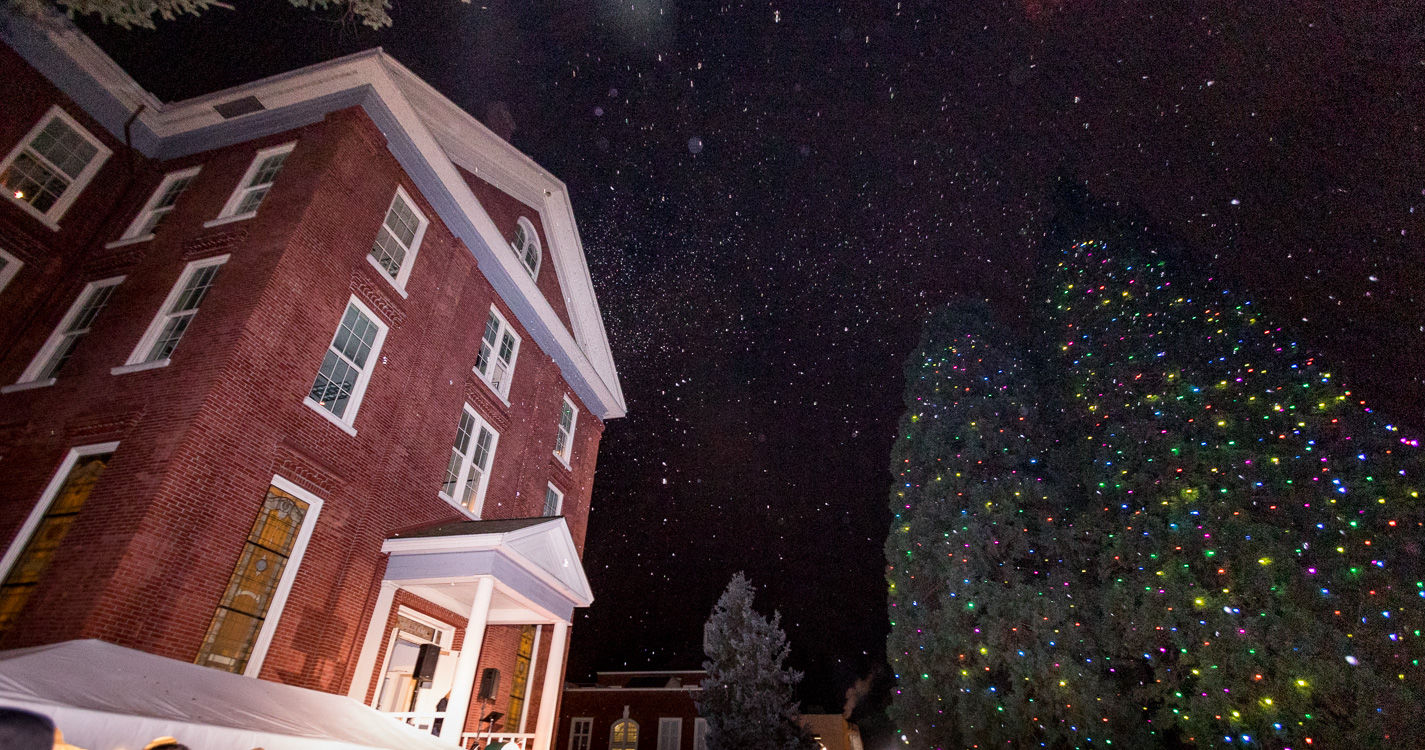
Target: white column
[[366, 661], [529, 682], [553, 686], [463, 685]]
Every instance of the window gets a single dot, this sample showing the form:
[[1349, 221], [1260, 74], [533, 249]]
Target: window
[[398, 239], [624, 735], [520, 681], [9, 266], [564, 441], [73, 327], [468, 471], [47, 170], [255, 183], [346, 368], [526, 246], [246, 616], [553, 501], [581, 730], [416, 675], [177, 313], [700, 734], [39, 539], [498, 348], [159, 205], [670, 733]]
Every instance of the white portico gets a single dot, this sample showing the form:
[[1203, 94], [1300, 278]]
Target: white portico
[[504, 572]]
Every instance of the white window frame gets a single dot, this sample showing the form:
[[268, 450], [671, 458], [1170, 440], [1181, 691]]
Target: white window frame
[[700, 734], [289, 574], [358, 391], [565, 457], [479, 497], [29, 378], [131, 235], [12, 267], [138, 359], [676, 735], [399, 281], [638, 733], [447, 640], [503, 390], [581, 728], [51, 217], [22, 536], [558, 505], [245, 186], [531, 236]]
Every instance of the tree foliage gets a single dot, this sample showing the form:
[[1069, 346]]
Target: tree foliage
[[748, 698], [145, 13]]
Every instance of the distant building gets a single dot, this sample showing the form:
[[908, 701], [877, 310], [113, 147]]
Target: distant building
[[302, 380], [631, 710], [833, 731]]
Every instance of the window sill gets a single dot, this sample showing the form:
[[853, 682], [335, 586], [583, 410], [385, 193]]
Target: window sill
[[27, 385], [334, 419], [140, 367], [384, 274], [562, 461], [53, 224], [221, 220], [122, 241], [500, 396], [458, 507]]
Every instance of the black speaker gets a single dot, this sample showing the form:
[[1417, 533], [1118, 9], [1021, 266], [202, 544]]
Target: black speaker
[[489, 683], [425, 664]]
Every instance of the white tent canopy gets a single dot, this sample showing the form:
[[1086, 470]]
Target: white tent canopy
[[107, 697]]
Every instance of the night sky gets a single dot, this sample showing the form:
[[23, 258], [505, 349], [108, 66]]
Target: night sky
[[772, 195]]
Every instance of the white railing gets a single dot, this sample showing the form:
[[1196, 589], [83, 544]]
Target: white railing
[[471, 740], [420, 720]]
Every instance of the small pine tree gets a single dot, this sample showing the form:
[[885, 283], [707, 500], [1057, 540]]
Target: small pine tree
[[748, 698]]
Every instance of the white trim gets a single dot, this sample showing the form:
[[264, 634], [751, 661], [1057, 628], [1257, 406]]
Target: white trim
[[588, 736], [566, 457], [531, 236], [529, 677], [141, 220], [228, 219], [503, 391], [26, 386], [677, 733], [76, 186], [289, 575], [245, 185], [22, 536], [42, 357], [409, 261], [366, 659], [141, 351], [478, 500], [558, 505], [637, 732], [700, 734], [140, 367], [358, 389], [12, 267], [127, 241]]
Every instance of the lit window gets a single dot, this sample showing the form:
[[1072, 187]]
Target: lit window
[[255, 183], [553, 501], [48, 169], [346, 368], [243, 623], [160, 204], [26, 561], [581, 730], [498, 348], [670, 733], [9, 266], [178, 311], [564, 441], [624, 735], [398, 239], [468, 471], [73, 327], [525, 243]]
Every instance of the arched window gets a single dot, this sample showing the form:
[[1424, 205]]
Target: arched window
[[624, 735], [526, 246]]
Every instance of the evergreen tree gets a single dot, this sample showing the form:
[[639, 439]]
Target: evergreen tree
[[991, 638], [141, 13], [748, 697], [1256, 527]]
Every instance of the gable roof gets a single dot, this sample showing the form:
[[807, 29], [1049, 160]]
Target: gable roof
[[427, 133]]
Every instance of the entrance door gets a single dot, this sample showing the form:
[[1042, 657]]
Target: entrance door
[[419, 671]]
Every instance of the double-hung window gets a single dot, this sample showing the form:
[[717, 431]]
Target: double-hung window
[[553, 501], [9, 266], [700, 734], [398, 240], [670, 733], [346, 368], [176, 315], [581, 730], [49, 168], [498, 348], [468, 472], [564, 441], [73, 327], [159, 206], [525, 243], [255, 184]]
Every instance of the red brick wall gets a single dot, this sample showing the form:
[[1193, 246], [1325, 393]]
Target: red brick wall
[[644, 706], [149, 557]]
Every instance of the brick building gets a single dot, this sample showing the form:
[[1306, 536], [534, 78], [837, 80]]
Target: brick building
[[303, 380], [629, 710]]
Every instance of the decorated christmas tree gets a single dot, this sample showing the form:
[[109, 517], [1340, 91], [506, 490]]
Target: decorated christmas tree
[[991, 622]]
